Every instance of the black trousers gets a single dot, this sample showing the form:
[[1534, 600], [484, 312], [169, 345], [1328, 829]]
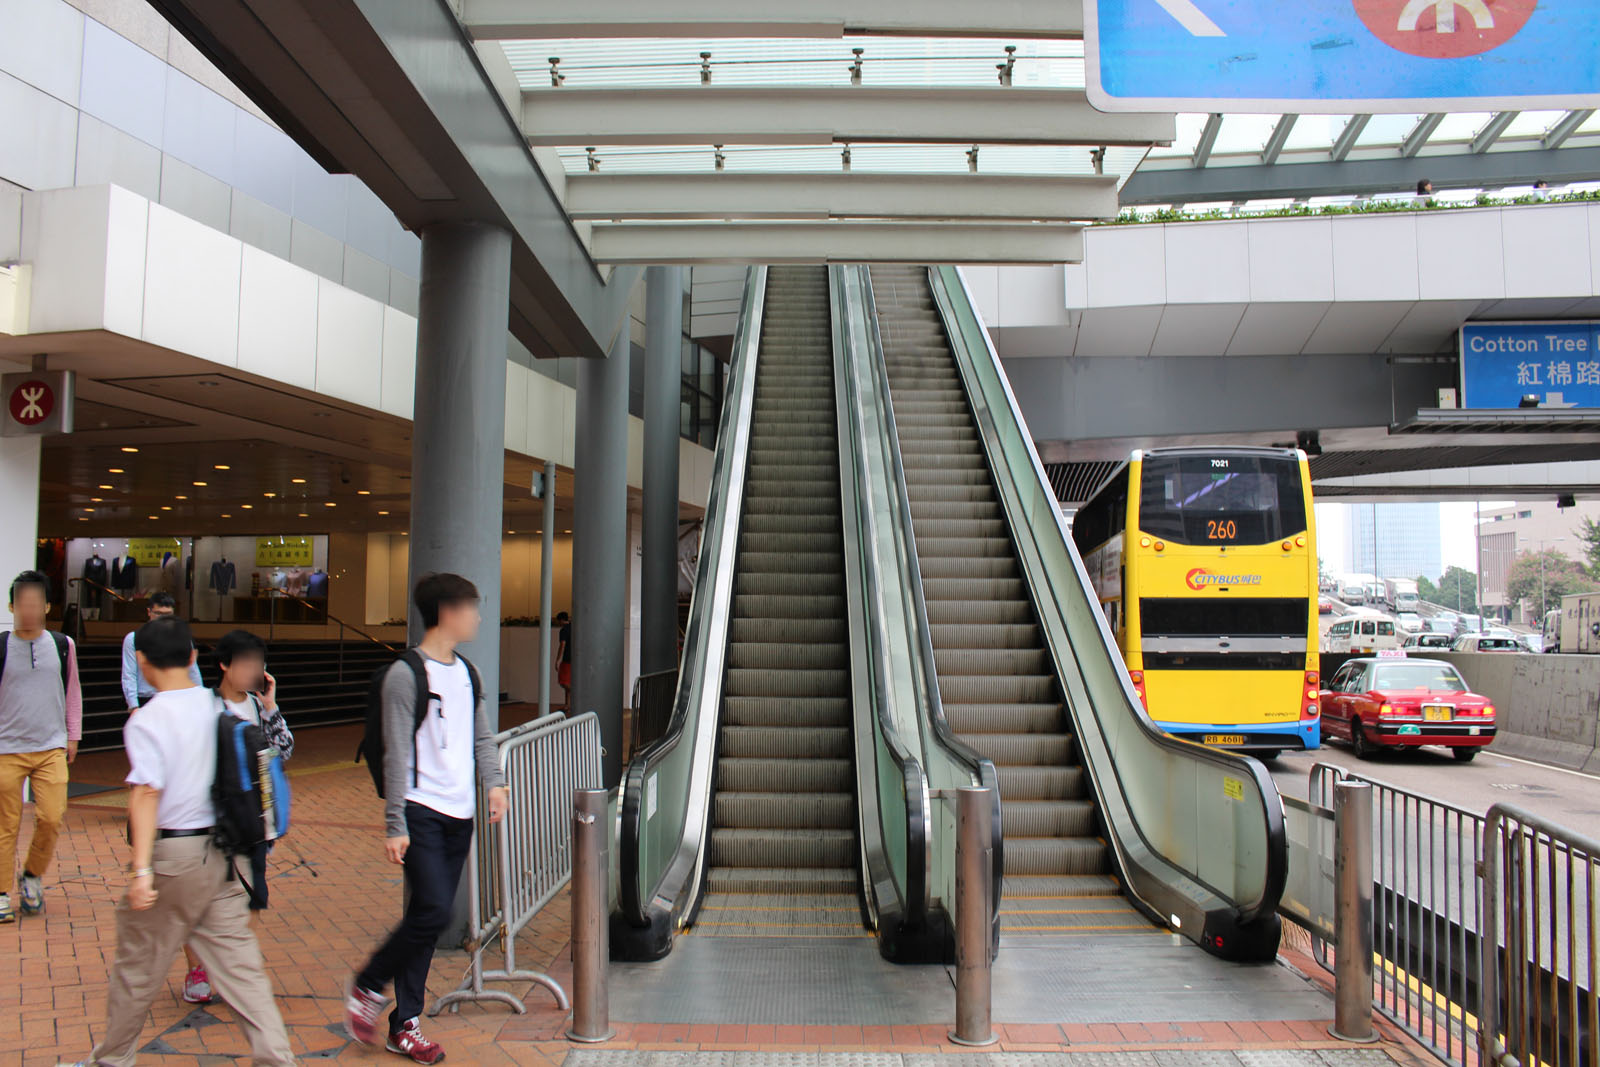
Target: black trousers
[[433, 866]]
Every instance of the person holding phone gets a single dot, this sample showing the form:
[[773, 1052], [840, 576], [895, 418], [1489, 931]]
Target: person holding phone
[[248, 691]]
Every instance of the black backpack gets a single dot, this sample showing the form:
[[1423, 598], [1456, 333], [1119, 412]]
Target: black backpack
[[250, 793], [372, 744], [62, 647]]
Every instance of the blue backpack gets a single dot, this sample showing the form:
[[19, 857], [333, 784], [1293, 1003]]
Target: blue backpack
[[251, 795]]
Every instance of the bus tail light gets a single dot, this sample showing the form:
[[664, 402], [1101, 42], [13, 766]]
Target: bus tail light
[[1137, 678], [1287, 546], [1313, 696], [1300, 540], [1160, 545]]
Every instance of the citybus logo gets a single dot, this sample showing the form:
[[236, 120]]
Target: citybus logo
[[1200, 578]]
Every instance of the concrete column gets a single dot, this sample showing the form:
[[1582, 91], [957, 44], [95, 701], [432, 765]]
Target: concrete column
[[458, 436], [663, 377], [19, 533], [600, 545]]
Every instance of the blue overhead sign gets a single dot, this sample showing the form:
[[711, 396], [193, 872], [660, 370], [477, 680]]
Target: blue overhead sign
[[1558, 362], [1342, 56]]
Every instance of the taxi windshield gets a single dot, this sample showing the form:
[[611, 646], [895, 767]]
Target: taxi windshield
[[1434, 677]]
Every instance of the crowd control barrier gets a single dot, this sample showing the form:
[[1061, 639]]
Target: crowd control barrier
[[520, 863]]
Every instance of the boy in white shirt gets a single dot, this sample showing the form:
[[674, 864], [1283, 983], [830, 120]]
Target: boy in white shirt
[[181, 889], [431, 772]]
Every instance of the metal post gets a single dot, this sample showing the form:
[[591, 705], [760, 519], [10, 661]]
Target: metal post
[[547, 570], [1352, 912], [974, 870], [591, 942]]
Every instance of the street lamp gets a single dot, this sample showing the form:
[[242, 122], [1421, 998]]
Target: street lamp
[[1541, 542]]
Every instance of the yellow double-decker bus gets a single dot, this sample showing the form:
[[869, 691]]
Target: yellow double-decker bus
[[1205, 563]]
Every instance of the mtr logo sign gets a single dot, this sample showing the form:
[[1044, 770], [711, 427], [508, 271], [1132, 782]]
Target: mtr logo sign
[[1200, 579], [1445, 29]]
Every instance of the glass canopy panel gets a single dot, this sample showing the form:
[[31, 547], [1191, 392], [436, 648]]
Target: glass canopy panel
[[1532, 124], [1315, 132], [1387, 131], [653, 63], [1460, 126], [1189, 129], [1244, 133]]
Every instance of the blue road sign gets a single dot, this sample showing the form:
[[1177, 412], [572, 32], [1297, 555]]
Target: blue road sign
[[1342, 56], [1558, 362]]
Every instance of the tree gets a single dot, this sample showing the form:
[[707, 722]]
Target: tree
[[1561, 576], [1589, 534], [1457, 590], [1426, 590]]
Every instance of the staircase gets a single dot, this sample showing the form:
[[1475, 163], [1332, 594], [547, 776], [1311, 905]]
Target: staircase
[[310, 688], [996, 679], [783, 853]]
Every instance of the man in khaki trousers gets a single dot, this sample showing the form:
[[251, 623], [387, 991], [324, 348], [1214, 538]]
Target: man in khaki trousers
[[181, 888]]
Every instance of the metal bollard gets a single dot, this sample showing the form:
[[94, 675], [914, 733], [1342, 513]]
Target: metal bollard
[[974, 870], [1352, 912], [591, 948]]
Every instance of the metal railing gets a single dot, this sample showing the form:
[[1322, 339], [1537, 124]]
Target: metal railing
[[1484, 926], [1540, 913], [520, 863], [1426, 903], [272, 623]]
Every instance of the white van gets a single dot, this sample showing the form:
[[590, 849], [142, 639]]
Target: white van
[[1362, 635]]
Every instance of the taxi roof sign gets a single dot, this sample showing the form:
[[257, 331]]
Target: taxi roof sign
[[1342, 56]]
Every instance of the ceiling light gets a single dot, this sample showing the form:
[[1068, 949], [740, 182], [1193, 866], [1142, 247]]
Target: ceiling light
[[95, 499], [269, 496], [221, 467], [298, 481], [247, 507], [363, 492], [226, 515], [383, 513], [302, 514], [166, 507], [83, 518], [115, 470], [566, 531], [155, 516], [89, 510], [108, 487], [329, 504], [180, 496], [129, 448]]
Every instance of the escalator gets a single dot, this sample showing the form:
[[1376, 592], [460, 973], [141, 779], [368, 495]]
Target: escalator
[[784, 799], [783, 839], [996, 682], [1108, 822]]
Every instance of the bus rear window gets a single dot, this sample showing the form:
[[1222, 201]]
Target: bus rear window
[[1221, 500]]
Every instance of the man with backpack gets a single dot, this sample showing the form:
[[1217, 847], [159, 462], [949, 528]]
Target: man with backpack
[[41, 723], [181, 888], [429, 746]]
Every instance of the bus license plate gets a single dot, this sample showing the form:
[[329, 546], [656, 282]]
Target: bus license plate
[[1224, 739], [1436, 713]]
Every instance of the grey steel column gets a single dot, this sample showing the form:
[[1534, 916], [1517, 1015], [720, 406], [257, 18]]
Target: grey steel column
[[600, 546], [547, 571], [458, 436], [1352, 912], [591, 936], [663, 390], [974, 875]]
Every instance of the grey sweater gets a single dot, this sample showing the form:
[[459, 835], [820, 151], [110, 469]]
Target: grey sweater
[[399, 734]]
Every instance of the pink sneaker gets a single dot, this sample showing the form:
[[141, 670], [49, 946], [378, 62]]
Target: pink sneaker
[[408, 1041], [362, 1007], [197, 987]]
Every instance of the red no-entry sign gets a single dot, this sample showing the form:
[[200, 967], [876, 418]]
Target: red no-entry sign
[[1445, 29]]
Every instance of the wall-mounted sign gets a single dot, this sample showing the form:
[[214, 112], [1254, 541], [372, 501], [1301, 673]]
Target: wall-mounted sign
[[36, 402], [1556, 362], [283, 551]]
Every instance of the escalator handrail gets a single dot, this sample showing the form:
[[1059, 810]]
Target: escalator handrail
[[982, 769], [914, 896], [705, 643], [1276, 875]]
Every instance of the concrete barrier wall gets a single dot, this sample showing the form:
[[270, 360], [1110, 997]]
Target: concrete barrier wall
[[1547, 707]]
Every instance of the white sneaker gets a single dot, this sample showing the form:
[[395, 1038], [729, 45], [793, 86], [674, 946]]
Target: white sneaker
[[32, 894], [7, 913]]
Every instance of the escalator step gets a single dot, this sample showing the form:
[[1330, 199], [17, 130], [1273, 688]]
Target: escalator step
[[760, 605], [1006, 662], [765, 682], [1040, 783], [787, 655], [816, 775], [977, 635], [799, 882], [1019, 749], [785, 711], [798, 631], [807, 847], [994, 689], [1049, 818], [787, 585], [1055, 855], [955, 567], [957, 610], [784, 810], [788, 742], [968, 719]]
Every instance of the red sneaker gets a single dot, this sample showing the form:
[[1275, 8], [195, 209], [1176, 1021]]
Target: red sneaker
[[408, 1041], [362, 1007]]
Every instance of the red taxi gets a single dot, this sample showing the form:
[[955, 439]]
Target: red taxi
[[1401, 702]]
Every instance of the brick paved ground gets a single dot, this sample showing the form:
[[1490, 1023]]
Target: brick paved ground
[[330, 909]]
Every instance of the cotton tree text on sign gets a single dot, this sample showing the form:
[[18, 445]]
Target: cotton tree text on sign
[[1342, 56]]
